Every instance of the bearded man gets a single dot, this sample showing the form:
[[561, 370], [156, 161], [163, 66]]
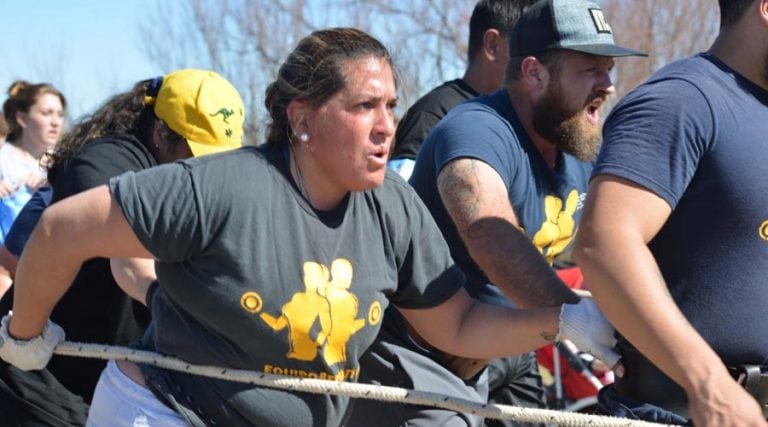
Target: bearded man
[[505, 176]]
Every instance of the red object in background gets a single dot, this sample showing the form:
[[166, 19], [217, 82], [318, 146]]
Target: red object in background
[[571, 276], [575, 385]]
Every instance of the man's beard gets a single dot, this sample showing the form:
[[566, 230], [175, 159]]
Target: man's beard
[[567, 130]]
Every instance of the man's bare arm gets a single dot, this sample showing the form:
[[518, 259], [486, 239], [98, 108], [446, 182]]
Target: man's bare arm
[[476, 199], [619, 220]]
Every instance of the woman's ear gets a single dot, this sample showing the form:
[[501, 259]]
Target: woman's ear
[[21, 119], [297, 114], [157, 134]]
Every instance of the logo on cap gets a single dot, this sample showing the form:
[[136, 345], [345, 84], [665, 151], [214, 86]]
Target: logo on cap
[[225, 113], [600, 23]]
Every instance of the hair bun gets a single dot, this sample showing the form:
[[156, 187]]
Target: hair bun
[[17, 87]]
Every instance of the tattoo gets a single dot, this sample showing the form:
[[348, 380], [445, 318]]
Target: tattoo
[[456, 185], [486, 222]]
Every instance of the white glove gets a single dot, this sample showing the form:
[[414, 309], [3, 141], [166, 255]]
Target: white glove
[[32, 354], [585, 325]]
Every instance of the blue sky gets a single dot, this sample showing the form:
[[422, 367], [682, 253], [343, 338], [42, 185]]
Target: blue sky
[[89, 49]]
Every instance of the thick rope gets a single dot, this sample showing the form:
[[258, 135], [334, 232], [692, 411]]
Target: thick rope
[[355, 390]]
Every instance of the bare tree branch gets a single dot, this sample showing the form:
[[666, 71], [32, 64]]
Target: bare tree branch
[[665, 29], [246, 40]]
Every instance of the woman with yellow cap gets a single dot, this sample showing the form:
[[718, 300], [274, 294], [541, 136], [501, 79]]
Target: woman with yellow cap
[[183, 114]]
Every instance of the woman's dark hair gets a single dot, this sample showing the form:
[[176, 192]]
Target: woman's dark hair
[[125, 114], [22, 96], [314, 72]]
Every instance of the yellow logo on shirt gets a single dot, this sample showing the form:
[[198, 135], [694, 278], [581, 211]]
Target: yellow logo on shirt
[[557, 230], [323, 317], [763, 231], [251, 302]]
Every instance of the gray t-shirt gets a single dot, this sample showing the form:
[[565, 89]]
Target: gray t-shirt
[[253, 278]]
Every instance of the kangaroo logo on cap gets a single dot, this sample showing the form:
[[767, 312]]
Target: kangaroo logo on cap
[[600, 23], [224, 114]]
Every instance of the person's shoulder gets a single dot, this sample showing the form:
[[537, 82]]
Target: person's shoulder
[[495, 102], [9, 150], [678, 83], [698, 71], [480, 111], [444, 97], [456, 87], [396, 202], [248, 161], [230, 157], [394, 190], [472, 128], [121, 140], [109, 145], [97, 160]]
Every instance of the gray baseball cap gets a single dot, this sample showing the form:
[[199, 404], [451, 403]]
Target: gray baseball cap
[[565, 24]]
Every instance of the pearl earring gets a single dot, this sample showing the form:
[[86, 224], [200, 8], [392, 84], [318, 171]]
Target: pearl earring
[[304, 137]]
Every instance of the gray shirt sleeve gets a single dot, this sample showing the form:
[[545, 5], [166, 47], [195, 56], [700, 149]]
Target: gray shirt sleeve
[[163, 207]]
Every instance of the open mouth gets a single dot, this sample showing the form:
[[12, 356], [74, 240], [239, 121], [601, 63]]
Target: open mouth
[[593, 110], [379, 155]]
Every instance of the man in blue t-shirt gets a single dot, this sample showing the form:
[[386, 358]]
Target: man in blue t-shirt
[[504, 176], [674, 236], [487, 55]]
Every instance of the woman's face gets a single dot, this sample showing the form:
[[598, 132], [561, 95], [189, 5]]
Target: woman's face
[[351, 133], [43, 122]]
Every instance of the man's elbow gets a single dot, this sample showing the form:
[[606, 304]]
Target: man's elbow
[[591, 250], [53, 228], [49, 223], [583, 247]]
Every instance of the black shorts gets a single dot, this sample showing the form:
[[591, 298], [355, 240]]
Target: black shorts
[[36, 398]]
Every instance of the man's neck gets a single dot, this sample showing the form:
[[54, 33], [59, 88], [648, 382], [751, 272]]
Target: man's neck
[[523, 110], [744, 55], [478, 79]]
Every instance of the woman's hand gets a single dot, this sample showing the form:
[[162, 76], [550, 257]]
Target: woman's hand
[[34, 181], [7, 188]]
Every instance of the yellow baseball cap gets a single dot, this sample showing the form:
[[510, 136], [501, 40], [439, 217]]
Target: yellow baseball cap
[[202, 107]]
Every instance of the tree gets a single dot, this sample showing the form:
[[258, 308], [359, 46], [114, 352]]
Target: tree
[[665, 29], [246, 40]]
